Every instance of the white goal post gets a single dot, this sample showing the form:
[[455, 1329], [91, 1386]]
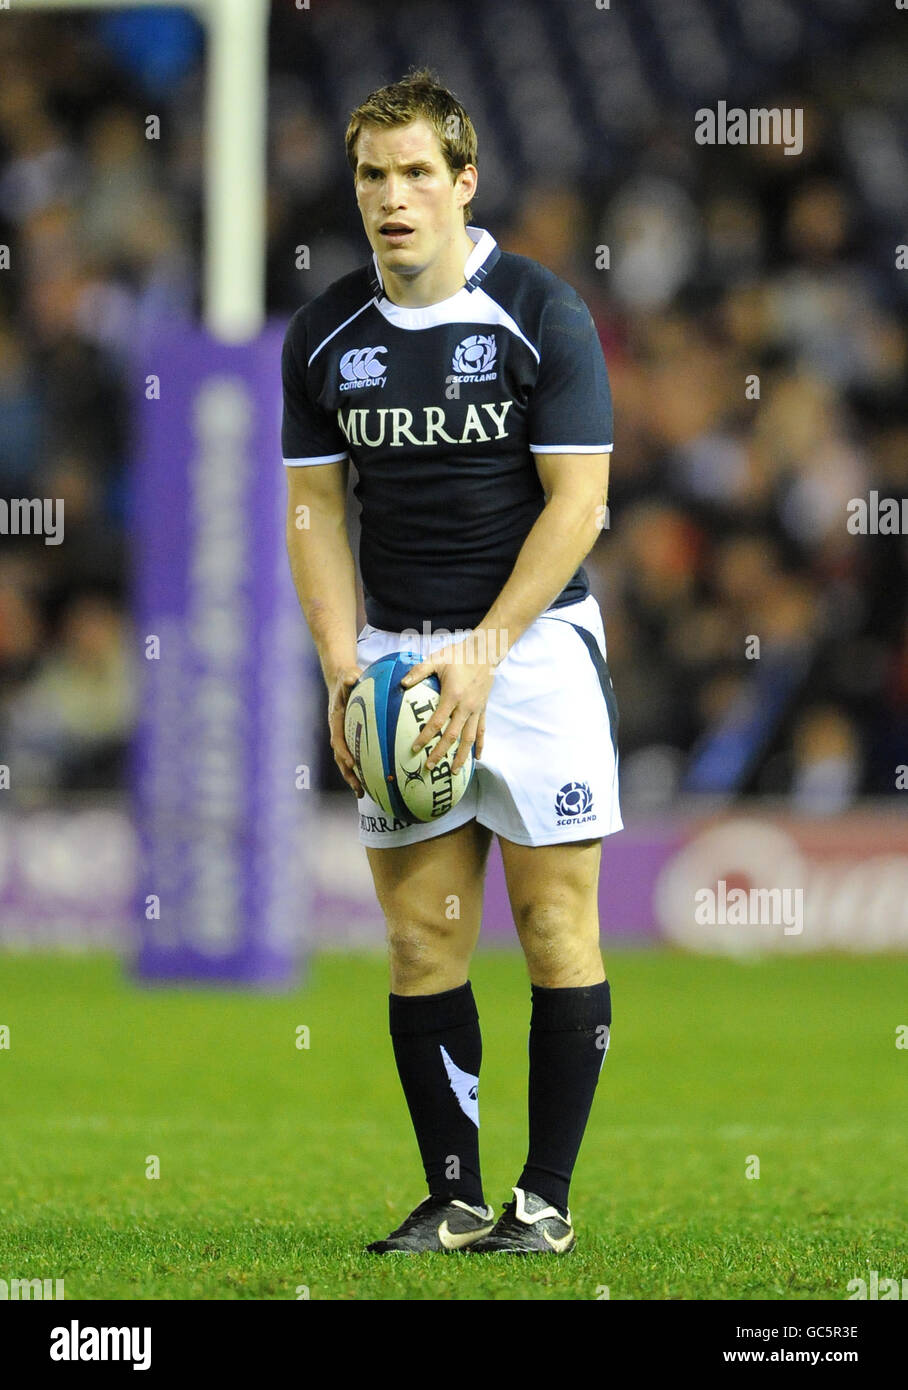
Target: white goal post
[[236, 98]]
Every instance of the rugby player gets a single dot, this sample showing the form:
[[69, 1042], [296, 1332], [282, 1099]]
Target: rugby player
[[467, 386]]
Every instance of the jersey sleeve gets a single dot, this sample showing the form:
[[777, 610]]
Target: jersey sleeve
[[309, 434], [570, 409]]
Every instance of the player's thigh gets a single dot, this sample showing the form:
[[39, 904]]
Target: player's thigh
[[434, 885], [554, 896]]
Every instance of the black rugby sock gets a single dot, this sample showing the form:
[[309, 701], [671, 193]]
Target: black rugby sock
[[569, 1032], [438, 1049]]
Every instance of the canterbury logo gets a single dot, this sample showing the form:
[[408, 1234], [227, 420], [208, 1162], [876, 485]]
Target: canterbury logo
[[362, 364]]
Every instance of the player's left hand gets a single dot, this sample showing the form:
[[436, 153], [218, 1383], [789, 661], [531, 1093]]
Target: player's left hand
[[465, 689]]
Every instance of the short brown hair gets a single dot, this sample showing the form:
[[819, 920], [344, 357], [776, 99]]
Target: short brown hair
[[417, 96]]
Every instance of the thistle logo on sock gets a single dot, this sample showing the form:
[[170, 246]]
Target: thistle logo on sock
[[574, 803]]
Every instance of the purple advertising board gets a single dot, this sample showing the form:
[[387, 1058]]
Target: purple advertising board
[[225, 738], [70, 875]]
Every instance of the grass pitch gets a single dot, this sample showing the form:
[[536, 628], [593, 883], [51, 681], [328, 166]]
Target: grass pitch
[[278, 1163]]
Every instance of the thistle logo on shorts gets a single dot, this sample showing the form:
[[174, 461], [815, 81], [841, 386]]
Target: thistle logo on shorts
[[574, 803], [474, 358], [360, 367]]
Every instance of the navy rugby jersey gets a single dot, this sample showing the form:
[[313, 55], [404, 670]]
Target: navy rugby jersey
[[440, 410]]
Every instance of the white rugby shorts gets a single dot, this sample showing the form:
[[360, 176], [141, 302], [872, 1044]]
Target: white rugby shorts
[[549, 766]]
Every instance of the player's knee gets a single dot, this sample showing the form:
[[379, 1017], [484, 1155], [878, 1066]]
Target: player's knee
[[559, 939], [418, 948], [544, 919]]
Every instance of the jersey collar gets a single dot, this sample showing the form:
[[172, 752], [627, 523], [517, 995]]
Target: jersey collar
[[478, 264]]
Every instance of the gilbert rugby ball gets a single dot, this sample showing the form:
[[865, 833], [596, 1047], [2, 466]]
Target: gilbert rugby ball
[[381, 722]]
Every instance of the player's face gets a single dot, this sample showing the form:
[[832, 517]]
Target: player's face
[[411, 208]]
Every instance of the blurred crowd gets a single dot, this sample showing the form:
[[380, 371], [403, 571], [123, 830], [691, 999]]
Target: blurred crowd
[[751, 313]]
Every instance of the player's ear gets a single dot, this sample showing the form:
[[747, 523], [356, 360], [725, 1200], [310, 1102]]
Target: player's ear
[[469, 178]]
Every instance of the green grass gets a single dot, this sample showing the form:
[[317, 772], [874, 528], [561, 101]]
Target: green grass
[[278, 1164]]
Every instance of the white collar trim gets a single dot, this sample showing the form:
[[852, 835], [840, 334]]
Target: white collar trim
[[485, 244]]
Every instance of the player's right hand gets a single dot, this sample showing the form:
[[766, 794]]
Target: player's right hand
[[337, 706]]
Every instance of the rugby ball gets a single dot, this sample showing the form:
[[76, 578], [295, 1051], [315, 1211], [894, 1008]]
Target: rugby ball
[[382, 721]]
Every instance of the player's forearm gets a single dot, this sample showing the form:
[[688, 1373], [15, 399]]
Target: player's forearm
[[321, 563], [561, 538]]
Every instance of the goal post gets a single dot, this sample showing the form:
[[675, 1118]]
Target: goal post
[[236, 97], [228, 727]]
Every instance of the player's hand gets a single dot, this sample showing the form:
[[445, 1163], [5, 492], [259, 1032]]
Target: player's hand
[[465, 689], [337, 708]]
